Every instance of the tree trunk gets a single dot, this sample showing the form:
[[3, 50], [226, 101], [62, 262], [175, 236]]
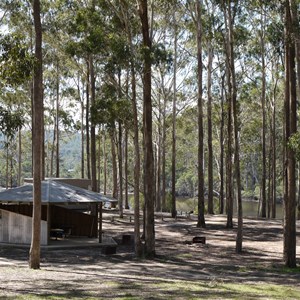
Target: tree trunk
[[93, 127], [148, 146], [229, 179], [87, 123], [201, 219], [137, 234], [137, 239], [57, 120], [210, 203], [235, 113], [99, 162], [163, 167], [82, 134], [19, 157], [7, 165], [104, 164], [114, 164], [297, 40], [274, 187], [264, 127], [222, 150], [173, 201], [158, 168], [289, 227], [37, 140], [120, 160], [126, 168]]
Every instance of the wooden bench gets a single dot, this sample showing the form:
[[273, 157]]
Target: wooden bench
[[109, 249]]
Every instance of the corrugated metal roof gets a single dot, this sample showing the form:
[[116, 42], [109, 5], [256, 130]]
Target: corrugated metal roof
[[53, 192]]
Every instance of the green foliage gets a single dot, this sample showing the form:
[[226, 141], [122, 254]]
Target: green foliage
[[294, 144], [109, 108], [16, 63], [10, 121]]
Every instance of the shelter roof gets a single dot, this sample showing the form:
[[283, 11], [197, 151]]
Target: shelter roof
[[53, 192]]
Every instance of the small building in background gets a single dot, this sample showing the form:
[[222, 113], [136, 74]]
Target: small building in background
[[67, 209]]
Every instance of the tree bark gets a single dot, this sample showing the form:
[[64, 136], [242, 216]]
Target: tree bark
[[120, 160], [126, 168], [173, 201], [229, 153], [289, 226], [87, 123], [104, 165], [163, 167], [57, 121], [148, 146], [235, 113], [263, 104], [37, 140], [93, 127], [159, 154], [82, 132], [114, 164], [19, 156], [210, 202], [201, 219], [137, 234], [221, 200]]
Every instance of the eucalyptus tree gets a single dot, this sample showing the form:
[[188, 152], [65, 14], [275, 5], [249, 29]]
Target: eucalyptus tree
[[230, 11], [127, 14], [87, 41], [37, 139], [198, 23], [15, 72], [195, 11], [290, 107], [147, 130]]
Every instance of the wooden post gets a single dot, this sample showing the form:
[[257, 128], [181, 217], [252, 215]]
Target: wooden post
[[100, 223], [48, 222]]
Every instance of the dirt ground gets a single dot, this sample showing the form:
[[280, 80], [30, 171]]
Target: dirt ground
[[86, 273]]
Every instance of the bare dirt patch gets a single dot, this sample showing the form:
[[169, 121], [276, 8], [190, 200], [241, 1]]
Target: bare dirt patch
[[86, 273]]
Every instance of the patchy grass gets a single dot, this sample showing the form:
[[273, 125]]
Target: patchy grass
[[182, 290], [286, 270]]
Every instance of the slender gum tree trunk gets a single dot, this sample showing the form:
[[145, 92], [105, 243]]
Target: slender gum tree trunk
[[235, 113], [137, 239], [158, 169], [37, 141], [201, 219], [104, 164], [120, 160], [99, 162], [163, 167], [87, 123], [114, 164], [210, 206], [289, 221], [126, 168], [57, 120], [263, 104], [148, 146], [82, 132], [93, 127], [229, 154], [173, 202], [19, 156], [137, 234], [222, 150]]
